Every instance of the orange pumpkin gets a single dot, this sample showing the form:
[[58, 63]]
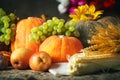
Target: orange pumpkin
[[23, 29], [59, 47]]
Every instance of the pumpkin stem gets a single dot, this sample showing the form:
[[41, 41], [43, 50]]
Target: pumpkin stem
[[43, 17], [61, 36]]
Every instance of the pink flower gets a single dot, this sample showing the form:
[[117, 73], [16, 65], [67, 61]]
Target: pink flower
[[99, 4], [71, 10], [82, 2], [75, 3]]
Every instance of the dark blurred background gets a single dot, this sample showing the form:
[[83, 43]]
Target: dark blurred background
[[25, 8]]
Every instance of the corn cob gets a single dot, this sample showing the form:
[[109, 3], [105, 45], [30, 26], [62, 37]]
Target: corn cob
[[93, 61]]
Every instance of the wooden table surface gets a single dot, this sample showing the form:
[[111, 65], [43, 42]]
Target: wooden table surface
[[13, 74]]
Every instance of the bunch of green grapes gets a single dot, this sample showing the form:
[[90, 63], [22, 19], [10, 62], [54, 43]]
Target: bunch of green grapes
[[54, 26], [7, 26]]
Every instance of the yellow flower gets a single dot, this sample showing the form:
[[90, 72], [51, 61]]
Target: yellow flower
[[85, 13]]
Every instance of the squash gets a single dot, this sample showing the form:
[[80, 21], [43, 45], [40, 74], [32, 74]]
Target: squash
[[87, 28], [23, 29], [59, 47]]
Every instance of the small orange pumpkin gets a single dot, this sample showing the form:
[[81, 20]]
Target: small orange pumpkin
[[59, 47], [23, 29]]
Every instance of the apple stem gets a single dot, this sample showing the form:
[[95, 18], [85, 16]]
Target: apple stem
[[16, 62], [40, 60]]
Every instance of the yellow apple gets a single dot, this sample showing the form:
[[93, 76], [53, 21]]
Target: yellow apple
[[40, 61], [20, 58]]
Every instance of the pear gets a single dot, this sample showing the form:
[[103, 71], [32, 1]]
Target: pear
[[20, 58]]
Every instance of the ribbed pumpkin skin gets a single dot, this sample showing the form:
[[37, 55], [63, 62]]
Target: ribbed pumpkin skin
[[23, 30], [60, 47]]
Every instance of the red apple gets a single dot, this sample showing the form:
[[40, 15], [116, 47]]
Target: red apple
[[20, 58], [40, 61]]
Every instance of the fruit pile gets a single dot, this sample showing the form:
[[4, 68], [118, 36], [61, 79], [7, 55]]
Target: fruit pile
[[39, 42], [42, 51]]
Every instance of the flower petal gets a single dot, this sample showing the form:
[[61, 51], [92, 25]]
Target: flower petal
[[97, 14], [85, 13], [92, 9]]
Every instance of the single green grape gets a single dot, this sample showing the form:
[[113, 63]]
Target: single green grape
[[45, 26], [35, 29], [7, 42], [2, 12], [8, 31], [76, 33], [35, 36], [2, 39], [50, 29], [55, 27], [40, 33], [71, 28], [43, 37], [71, 23], [62, 20], [68, 33], [56, 20], [66, 25], [5, 18], [54, 32], [7, 37], [12, 16], [31, 39], [50, 23], [59, 30], [45, 31], [12, 25], [6, 24], [3, 30], [60, 24]]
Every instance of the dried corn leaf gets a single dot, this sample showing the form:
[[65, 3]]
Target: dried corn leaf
[[106, 39]]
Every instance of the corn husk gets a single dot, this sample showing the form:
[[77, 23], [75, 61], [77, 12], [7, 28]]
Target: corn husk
[[93, 61]]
